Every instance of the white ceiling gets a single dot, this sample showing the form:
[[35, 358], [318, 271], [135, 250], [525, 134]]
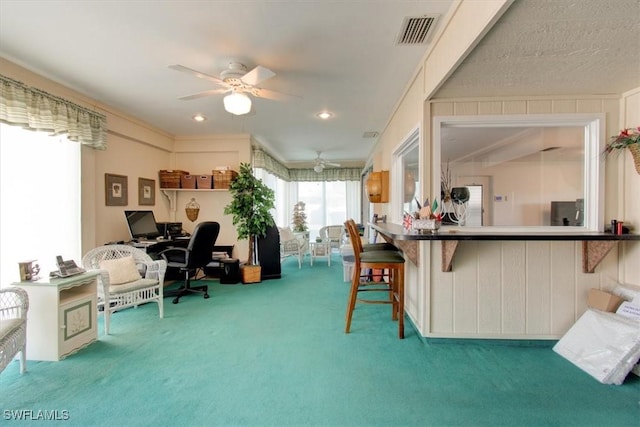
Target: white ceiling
[[336, 55]]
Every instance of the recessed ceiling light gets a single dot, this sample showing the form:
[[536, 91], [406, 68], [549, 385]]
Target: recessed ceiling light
[[199, 118], [325, 115]]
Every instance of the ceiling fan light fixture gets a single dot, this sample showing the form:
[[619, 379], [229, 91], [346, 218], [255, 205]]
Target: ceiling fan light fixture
[[237, 103], [318, 168]]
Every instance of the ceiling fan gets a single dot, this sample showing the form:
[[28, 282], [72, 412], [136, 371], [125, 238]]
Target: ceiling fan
[[239, 82], [321, 163]]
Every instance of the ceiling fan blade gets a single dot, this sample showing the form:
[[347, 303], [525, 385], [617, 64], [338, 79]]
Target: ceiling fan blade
[[198, 74], [203, 94], [271, 94], [257, 75], [335, 165]]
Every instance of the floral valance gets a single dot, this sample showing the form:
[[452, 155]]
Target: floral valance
[[34, 109]]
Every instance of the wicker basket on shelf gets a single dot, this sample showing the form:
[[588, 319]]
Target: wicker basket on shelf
[[222, 178], [171, 178]]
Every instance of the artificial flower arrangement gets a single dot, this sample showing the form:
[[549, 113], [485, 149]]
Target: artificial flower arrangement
[[624, 139], [427, 218], [627, 138]]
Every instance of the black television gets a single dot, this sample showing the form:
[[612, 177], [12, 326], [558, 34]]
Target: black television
[[142, 224]]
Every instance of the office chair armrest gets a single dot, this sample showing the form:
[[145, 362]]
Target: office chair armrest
[[175, 254]]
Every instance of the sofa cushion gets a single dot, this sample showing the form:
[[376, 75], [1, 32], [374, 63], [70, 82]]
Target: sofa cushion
[[132, 286], [121, 270]]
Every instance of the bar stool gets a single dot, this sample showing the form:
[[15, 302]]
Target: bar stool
[[389, 260], [366, 247]]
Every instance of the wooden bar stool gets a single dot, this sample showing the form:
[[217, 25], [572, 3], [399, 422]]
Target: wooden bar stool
[[389, 260]]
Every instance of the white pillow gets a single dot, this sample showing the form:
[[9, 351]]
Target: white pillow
[[286, 234], [121, 270]]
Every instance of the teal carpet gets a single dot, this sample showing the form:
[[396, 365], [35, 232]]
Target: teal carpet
[[275, 354]]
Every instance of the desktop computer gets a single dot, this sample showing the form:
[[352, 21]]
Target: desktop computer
[[170, 230]]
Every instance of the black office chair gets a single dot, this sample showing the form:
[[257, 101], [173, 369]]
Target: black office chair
[[192, 259]]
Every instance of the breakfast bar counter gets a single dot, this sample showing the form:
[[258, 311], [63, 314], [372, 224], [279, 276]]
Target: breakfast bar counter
[[595, 245], [497, 283]]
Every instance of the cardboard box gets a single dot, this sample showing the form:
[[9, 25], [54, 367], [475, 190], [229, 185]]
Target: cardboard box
[[604, 301]]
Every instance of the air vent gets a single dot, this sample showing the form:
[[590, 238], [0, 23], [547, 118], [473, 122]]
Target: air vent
[[370, 134], [416, 29]]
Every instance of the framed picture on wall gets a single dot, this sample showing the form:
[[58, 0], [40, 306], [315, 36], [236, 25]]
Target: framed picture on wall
[[115, 190], [146, 192]]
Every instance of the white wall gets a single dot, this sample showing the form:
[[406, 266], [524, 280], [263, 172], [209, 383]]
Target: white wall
[[505, 289]]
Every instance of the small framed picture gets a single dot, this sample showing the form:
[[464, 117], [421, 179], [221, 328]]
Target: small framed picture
[[115, 190], [146, 192]]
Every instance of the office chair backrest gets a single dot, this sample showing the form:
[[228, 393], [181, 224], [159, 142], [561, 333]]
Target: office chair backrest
[[201, 243]]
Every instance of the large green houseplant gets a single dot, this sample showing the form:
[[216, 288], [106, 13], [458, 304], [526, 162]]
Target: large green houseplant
[[250, 208]]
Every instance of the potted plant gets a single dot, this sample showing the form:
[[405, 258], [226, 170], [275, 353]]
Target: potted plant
[[250, 208], [299, 220], [627, 139]]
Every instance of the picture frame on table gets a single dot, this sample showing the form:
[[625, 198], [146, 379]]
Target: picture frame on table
[[115, 190], [146, 192]]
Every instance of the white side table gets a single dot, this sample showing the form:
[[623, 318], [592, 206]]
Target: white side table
[[62, 315], [321, 249]]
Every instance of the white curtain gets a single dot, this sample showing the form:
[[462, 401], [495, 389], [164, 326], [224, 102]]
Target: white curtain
[[39, 200]]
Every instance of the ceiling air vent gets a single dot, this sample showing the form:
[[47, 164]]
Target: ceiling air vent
[[370, 134], [416, 29]]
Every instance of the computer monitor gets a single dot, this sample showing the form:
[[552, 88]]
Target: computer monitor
[[142, 224]]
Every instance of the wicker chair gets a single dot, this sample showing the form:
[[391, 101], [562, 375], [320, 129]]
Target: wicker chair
[[290, 245], [118, 286], [334, 234], [14, 304]]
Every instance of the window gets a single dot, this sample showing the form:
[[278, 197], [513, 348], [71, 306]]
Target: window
[[326, 202], [526, 165], [406, 175], [39, 199]]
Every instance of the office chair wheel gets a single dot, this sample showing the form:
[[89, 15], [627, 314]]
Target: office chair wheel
[[176, 300], [206, 296]]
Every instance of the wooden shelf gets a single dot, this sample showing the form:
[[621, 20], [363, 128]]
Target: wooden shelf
[[171, 195]]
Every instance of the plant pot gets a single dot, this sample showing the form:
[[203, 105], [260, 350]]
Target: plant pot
[[635, 153], [250, 273]]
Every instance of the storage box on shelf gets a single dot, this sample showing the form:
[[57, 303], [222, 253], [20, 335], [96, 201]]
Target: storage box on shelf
[[188, 181], [204, 182], [171, 178], [222, 178]]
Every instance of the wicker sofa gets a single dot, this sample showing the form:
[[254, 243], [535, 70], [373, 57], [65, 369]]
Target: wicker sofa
[[14, 304]]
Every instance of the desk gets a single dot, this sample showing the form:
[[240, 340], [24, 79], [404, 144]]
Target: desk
[[153, 247], [62, 315]]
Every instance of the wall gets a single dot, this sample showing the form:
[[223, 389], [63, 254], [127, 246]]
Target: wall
[[629, 187], [505, 289], [199, 155]]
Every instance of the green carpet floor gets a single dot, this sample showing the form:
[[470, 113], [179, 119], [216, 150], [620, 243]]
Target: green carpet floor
[[275, 354]]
